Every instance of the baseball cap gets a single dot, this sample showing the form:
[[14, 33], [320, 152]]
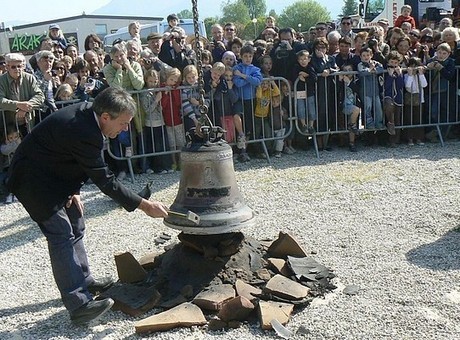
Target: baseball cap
[[54, 26]]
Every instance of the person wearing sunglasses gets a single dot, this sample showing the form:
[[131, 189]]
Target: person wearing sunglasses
[[345, 30], [229, 32], [19, 92]]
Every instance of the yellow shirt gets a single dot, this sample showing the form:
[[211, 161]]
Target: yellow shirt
[[263, 100]]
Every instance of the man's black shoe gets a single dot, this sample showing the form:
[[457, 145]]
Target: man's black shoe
[[100, 285], [90, 311]]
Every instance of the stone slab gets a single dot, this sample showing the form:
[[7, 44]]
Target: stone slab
[[213, 297], [184, 315], [237, 308], [269, 310], [286, 288]]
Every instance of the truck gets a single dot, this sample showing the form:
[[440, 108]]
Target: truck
[[160, 27], [371, 11]]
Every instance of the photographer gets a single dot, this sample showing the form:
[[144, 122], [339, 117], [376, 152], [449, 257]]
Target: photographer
[[284, 52], [217, 46], [149, 60], [375, 42], [174, 51]]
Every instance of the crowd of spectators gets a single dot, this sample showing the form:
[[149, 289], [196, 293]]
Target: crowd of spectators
[[385, 66]]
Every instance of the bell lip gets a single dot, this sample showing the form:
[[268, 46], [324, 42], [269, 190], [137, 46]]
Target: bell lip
[[200, 230]]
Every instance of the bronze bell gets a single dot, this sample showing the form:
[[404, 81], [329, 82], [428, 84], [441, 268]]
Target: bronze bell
[[208, 188]]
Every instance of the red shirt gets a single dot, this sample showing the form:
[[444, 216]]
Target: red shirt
[[171, 107]]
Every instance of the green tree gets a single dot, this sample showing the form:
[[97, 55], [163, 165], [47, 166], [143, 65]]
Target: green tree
[[185, 14], [235, 12], [304, 12], [350, 7], [257, 8]]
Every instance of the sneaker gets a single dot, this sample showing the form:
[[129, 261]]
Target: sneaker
[[129, 152], [91, 311], [9, 199], [419, 142], [277, 154], [292, 149], [410, 142], [163, 172], [121, 176], [287, 150], [352, 148], [149, 171], [243, 157], [304, 129], [241, 142], [170, 171], [391, 128], [262, 155], [311, 130]]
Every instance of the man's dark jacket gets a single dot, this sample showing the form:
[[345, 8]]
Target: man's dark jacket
[[57, 158]]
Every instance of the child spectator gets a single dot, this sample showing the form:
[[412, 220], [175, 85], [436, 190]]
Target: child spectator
[[393, 87], [246, 78], [369, 89], [229, 59], [190, 96], [155, 137], [171, 108], [219, 88], [406, 27], [68, 63], [405, 17], [173, 21], [72, 80], [88, 87], [286, 106], [64, 93], [305, 91], [414, 82], [443, 90], [348, 97], [266, 65], [279, 115], [7, 149], [206, 60], [264, 94]]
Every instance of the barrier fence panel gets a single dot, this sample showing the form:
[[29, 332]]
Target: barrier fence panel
[[427, 106]]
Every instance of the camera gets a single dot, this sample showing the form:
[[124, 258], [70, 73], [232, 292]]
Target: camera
[[90, 84], [372, 43], [282, 50]]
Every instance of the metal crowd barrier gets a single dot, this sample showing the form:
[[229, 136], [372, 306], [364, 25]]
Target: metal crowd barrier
[[439, 111]]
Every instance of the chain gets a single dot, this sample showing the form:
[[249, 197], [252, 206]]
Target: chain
[[202, 108]]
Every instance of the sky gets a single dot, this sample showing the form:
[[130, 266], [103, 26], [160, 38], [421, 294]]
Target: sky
[[48, 10]]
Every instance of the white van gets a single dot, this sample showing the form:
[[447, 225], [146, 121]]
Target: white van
[[160, 27]]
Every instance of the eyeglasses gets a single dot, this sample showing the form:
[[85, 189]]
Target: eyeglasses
[[414, 34], [346, 23], [14, 67], [230, 29]]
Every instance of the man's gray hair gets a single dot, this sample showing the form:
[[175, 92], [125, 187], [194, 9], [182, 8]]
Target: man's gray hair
[[44, 54], [114, 101]]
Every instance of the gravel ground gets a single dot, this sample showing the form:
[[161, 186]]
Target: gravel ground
[[386, 220]]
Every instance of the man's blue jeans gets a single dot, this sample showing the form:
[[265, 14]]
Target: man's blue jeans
[[64, 232]]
